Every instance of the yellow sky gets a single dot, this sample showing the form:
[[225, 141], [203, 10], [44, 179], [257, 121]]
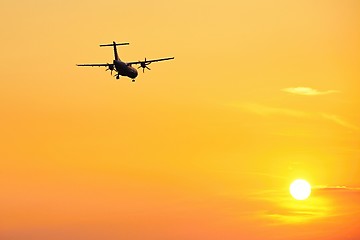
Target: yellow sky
[[205, 146]]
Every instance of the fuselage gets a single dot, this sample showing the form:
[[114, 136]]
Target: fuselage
[[124, 69]]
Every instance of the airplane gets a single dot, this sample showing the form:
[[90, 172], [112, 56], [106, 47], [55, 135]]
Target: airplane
[[123, 68]]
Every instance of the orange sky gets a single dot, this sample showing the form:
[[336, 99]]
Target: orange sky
[[202, 147]]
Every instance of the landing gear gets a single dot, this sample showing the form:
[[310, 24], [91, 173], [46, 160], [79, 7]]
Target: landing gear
[[133, 80], [117, 77]]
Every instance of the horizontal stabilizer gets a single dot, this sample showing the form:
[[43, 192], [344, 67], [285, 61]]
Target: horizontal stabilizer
[[113, 44]]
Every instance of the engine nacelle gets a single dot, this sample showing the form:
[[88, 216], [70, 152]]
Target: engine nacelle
[[111, 67]]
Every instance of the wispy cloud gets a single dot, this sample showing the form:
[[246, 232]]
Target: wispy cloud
[[325, 202], [345, 198], [339, 120], [337, 188], [268, 111], [307, 91]]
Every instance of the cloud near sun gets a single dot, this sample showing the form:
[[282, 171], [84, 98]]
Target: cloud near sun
[[307, 91], [325, 202]]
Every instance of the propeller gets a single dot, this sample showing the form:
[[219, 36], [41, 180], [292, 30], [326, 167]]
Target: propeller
[[144, 65], [111, 68]]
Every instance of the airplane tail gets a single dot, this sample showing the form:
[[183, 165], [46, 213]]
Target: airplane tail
[[114, 44]]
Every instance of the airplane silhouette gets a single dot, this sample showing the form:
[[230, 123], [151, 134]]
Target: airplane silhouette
[[123, 68]]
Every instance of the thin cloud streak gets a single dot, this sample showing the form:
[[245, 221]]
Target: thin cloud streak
[[338, 120], [336, 188], [325, 202], [268, 111], [344, 198], [307, 91]]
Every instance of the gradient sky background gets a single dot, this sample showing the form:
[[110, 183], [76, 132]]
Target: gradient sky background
[[203, 147]]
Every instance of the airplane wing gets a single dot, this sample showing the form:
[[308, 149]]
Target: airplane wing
[[96, 65], [147, 62]]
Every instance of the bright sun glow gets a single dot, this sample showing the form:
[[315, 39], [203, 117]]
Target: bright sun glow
[[300, 189]]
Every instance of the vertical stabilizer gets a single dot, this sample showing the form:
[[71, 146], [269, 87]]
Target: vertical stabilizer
[[114, 44], [116, 55]]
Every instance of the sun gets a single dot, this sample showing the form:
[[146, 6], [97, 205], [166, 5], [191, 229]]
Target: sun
[[300, 189]]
